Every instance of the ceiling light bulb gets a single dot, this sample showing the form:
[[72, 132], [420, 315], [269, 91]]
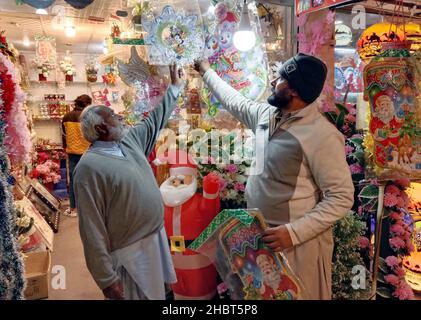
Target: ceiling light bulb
[[26, 42], [41, 11], [211, 10], [244, 39], [70, 31]]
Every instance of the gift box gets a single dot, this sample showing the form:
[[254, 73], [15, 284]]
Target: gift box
[[37, 274], [250, 269]]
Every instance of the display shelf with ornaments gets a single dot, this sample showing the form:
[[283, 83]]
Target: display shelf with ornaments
[[52, 82]]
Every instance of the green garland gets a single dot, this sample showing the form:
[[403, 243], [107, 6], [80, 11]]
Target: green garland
[[347, 233]]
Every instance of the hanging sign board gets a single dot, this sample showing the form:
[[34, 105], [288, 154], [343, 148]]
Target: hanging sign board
[[306, 6]]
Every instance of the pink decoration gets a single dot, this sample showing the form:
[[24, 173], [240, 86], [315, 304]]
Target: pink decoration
[[403, 291], [392, 261], [232, 168], [364, 242], [313, 43], [222, 184], [239, 187], [392, 279], [17, 141], [348, 149], [393, 190], [356, 168], [397, 229], [390, 200], [396, 243]]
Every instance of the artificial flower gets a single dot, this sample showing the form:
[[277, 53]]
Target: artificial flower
[[356, 168], [392, 261], [403, 291], [390, 200], [364, 242], [396, 243], [232, 168], [239, 187], [392, 279]]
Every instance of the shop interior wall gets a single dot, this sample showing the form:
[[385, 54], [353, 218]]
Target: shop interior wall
[[50, 129]]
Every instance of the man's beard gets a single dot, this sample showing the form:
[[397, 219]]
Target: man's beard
[[280, 100], [117, 133]]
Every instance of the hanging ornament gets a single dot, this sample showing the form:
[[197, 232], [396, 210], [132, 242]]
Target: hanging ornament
[[173, 37], [391, 88], [79, 4], [412, 31], [39, 4], [136, 70], [244, 71], [372, 40]]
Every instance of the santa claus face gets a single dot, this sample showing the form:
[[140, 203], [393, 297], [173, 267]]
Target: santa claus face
[[178, 189], [385, 110], [181, 180], [271, 276]]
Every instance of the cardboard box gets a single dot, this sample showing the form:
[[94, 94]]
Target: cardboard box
[[37, 274]]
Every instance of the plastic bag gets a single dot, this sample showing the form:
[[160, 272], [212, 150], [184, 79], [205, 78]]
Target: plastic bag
[[249, 269]]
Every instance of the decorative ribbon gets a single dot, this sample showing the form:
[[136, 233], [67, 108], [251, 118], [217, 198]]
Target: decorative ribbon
[[221, 219]]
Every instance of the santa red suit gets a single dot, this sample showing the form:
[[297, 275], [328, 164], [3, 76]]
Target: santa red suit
[[187, 214]]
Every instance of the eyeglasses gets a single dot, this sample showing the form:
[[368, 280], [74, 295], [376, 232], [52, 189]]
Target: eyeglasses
[[277, 80]]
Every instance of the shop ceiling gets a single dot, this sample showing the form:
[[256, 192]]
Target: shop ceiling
[[93, 23]]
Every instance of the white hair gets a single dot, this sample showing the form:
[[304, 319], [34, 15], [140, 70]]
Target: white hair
[[90, 118]]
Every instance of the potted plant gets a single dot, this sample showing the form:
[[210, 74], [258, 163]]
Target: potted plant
[[67, 68], [140, 9], [91, 69], [43, 69]]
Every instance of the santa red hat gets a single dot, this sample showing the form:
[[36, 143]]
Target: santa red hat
[[380, 95], [180, 162], [230, 17], [266, 253]]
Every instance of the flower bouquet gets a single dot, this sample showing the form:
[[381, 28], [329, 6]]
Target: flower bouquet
[[67, 68], [46, 168], [43, 69], [91, 69], [229, 155]]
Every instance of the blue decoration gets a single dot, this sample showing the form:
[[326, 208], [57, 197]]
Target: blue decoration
[[12, 281]]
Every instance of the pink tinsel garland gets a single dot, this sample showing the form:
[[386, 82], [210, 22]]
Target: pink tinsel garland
[[313, 44], [17, 141]]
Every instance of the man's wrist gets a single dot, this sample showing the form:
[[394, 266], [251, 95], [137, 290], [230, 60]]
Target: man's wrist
[[175, 90], [203, 71]]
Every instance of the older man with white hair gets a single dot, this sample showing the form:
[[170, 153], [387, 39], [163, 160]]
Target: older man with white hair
[[121, 212]]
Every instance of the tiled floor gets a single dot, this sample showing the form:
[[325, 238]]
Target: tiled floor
[[68, 252]]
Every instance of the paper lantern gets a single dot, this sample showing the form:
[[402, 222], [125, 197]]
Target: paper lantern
[[412, 264], [371, 41], [394, 140], [412, 31]]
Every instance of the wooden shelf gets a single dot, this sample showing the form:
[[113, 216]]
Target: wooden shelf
[[67, 82], [47, 119]]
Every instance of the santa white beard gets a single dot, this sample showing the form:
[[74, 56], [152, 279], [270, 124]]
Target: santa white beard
[[176, 196]]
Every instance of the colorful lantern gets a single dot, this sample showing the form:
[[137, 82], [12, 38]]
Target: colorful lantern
[[412, 264], [372, 40], [394, 140], [412, 31]]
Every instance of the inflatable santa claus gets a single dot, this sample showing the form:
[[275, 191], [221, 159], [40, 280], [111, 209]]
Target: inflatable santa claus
[[187, 214]]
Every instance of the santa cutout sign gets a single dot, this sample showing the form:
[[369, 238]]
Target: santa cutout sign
[[187, 214]]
